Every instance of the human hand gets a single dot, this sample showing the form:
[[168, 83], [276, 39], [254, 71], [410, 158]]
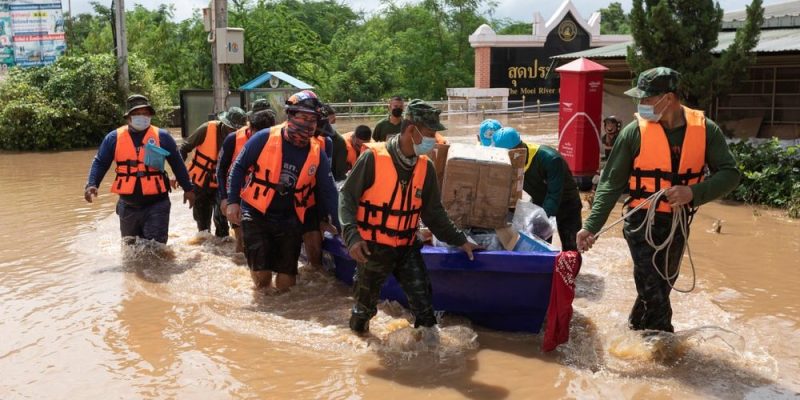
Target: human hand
[[173, 183], [359, 251], [326, 226], [188, 197], [679, 195], [469, 247], [89, 192], [234, 214], [223, 205], [585, 240]]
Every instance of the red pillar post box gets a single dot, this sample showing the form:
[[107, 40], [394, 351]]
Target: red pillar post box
[[579, 114]]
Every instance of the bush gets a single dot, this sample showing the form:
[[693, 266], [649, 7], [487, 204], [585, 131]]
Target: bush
[[71, 104], [770, 175]]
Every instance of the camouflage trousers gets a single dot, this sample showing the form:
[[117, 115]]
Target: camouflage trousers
[[408, 268], [652, 309]]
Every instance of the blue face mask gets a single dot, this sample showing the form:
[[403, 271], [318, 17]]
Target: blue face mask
[[140, 122], [648, 112], [425, 146]]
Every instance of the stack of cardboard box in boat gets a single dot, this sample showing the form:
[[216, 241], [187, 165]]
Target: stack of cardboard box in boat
[[479, 185]]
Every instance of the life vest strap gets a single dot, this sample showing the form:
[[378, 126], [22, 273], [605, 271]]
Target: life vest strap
[[386, 210], [406, 234]]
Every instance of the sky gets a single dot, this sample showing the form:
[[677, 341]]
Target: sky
[[520, 10]]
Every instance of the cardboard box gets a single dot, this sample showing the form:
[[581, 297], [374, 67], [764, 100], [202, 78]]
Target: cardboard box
[[439, 157], [477, 185], [520, 242]]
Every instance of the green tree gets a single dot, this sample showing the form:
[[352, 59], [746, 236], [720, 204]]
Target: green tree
[[613, 20], [72, 103], [285, 43], [507, 27], [682, 34]]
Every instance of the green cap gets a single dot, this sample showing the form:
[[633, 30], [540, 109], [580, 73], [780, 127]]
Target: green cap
[[234, 118], [655, 81], [136, 102], [259, 105], [418, 111]]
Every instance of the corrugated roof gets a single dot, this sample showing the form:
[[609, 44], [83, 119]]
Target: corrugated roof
[[264, 78], [774, 40], [789, 8]]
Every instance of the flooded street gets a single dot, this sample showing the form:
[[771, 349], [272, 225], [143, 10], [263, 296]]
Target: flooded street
[[181, 321]]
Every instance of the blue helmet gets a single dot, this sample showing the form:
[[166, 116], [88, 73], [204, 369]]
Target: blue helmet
[[507, 138], [488, 128]]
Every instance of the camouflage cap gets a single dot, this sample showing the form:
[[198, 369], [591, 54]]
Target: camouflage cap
[[418, 111], [234, 118], [655, 81], [259, 105]]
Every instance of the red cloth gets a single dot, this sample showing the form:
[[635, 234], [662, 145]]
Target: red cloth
[[562, 292]]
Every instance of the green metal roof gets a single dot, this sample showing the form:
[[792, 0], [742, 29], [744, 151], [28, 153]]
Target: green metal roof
[[771, 40]]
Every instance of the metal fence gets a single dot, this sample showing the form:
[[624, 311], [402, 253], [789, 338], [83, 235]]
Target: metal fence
[[451, 108]]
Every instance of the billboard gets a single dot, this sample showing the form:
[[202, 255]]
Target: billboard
[[6, 47], [31, 32]]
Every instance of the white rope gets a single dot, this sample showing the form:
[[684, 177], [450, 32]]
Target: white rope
[[680, 218]]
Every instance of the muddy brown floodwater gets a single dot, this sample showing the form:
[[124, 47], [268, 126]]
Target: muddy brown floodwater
[[181, 321]]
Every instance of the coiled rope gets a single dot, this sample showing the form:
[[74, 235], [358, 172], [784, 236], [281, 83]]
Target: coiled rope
[[681, 218]]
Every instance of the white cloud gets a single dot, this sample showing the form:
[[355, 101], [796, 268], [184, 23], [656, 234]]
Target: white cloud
[[520, 10]]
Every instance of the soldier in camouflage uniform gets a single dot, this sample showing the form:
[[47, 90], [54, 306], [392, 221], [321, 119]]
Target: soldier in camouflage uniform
[[380, 217], [666, 147]]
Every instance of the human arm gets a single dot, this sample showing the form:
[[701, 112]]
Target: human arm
[[167, 143], [552, 166], [361, 177], [328, 196], [100, 165], [724, 173], [223, 165], [194, 140]]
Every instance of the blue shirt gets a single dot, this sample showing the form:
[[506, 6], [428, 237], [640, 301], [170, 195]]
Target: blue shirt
[[224, 161], [282, 207], [105, 156]]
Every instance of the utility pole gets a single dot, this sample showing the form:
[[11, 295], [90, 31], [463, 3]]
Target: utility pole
[[220, 20], [122, 45]]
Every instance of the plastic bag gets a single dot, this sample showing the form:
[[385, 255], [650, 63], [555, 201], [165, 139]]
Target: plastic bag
[[532, 219], [486, 239], [154, 156]]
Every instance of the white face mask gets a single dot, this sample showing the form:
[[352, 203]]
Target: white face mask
[[648, 112], [140, 122], [425, 146]]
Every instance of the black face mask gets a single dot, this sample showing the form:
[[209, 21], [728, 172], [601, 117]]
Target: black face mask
[[397, 112]]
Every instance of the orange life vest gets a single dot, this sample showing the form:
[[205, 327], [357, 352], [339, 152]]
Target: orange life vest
[[131, 168], [352, 156], [388, 212], [321, 141], [241, 138], [203, 167], [351, 151], [652, 168], [264, 181]]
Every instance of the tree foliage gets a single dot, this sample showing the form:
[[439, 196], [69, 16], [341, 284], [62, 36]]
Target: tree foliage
[[613, 20], [770, 175], [682, 34], [415, 49], [72, 103]]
